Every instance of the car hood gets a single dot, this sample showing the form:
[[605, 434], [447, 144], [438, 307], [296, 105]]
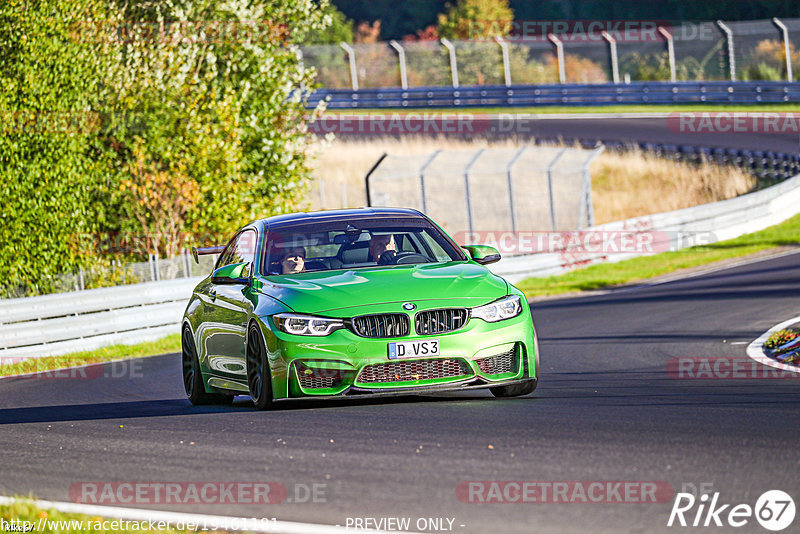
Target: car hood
[[326, 291]]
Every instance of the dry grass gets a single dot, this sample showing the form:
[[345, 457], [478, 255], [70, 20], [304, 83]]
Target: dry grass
[[624, 185]]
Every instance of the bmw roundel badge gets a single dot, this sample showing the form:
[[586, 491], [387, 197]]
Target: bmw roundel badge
[[408, 306]]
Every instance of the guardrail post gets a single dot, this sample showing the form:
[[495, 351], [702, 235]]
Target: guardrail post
[[453, 64], [422, 180], [587, 207], [562, 72], [187, 266], [731, 56], [511, 187], [466, 187], [787, 51], [670, 53], [401, 57], [550, 187], [506, 61], [612, 48], [351, 54]]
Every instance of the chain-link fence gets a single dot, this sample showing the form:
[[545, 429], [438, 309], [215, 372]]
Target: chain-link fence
[[490, 189], [746, 50], [116, 274]]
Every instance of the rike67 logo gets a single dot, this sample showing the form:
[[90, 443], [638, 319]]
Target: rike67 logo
[[774, 510]]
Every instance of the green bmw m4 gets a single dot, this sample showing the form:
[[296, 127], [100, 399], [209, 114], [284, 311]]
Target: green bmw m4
[[353, 303]]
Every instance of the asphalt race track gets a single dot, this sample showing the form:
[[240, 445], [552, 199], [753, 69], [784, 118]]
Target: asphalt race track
[[606, 410]]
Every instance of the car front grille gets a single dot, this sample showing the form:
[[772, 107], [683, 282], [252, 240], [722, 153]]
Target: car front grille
[[318, 378], [381, 325], [404, 371], [440, 321], [505, 362]]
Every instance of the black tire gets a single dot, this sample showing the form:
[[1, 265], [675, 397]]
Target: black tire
[[515, 390], [193, 379], [259, 377]]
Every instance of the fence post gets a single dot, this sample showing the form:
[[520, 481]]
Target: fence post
[[612, 48], [670, 53], [351, 54], [506, 60], [80, 279], [401, 57], [511, 187], [550, 187], [786, 48], [422, 179], [587, 206], [562, 72], [731, 57], [453, 65], [369, 173], [466, 187]]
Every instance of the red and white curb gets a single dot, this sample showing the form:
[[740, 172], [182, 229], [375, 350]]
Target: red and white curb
[[755, 349], [229, 523]]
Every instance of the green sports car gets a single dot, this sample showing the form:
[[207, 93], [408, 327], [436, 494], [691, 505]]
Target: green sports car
[[351, 303]]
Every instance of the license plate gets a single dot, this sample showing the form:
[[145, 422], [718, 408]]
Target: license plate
[[413, 349]]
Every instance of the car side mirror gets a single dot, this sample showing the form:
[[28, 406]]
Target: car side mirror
[[231, 274], [482, 254]]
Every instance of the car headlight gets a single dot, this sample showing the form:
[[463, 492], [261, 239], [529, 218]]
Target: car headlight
[[306, 325], [499, 310]]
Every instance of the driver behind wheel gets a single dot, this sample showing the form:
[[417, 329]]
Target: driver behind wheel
[[382, 249]]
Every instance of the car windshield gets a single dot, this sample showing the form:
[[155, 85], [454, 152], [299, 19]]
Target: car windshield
[[343, 245]]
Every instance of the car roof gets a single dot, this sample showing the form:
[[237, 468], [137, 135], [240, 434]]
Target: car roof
[[292, 219]]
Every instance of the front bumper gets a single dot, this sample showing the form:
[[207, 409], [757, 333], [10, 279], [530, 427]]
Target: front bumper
[[343, 364]]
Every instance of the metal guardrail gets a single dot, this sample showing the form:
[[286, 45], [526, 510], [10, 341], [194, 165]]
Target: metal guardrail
[[603, 94], [84, 320]]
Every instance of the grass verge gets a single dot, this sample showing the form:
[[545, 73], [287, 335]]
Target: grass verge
[[165, 345], [29, 517], [607, 275], [785, 108]]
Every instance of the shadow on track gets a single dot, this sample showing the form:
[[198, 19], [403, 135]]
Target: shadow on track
[[180, 407]]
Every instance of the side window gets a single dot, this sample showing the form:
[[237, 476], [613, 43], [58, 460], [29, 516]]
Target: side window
[[242, 248]]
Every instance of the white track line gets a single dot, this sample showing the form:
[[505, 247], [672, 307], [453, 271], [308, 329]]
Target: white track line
[[756, 352], [222, 522]]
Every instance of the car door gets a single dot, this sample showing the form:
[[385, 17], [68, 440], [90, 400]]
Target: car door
[[228, 310]]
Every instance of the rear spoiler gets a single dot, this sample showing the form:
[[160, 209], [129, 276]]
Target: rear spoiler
[[206, 250]]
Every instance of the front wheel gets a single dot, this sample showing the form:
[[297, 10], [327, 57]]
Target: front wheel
[[192, 378], [259, 377], [515, 390]]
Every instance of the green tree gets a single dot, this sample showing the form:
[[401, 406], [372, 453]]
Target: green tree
[[197, 99], [476, 19], [54, 172], [338, 28]]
